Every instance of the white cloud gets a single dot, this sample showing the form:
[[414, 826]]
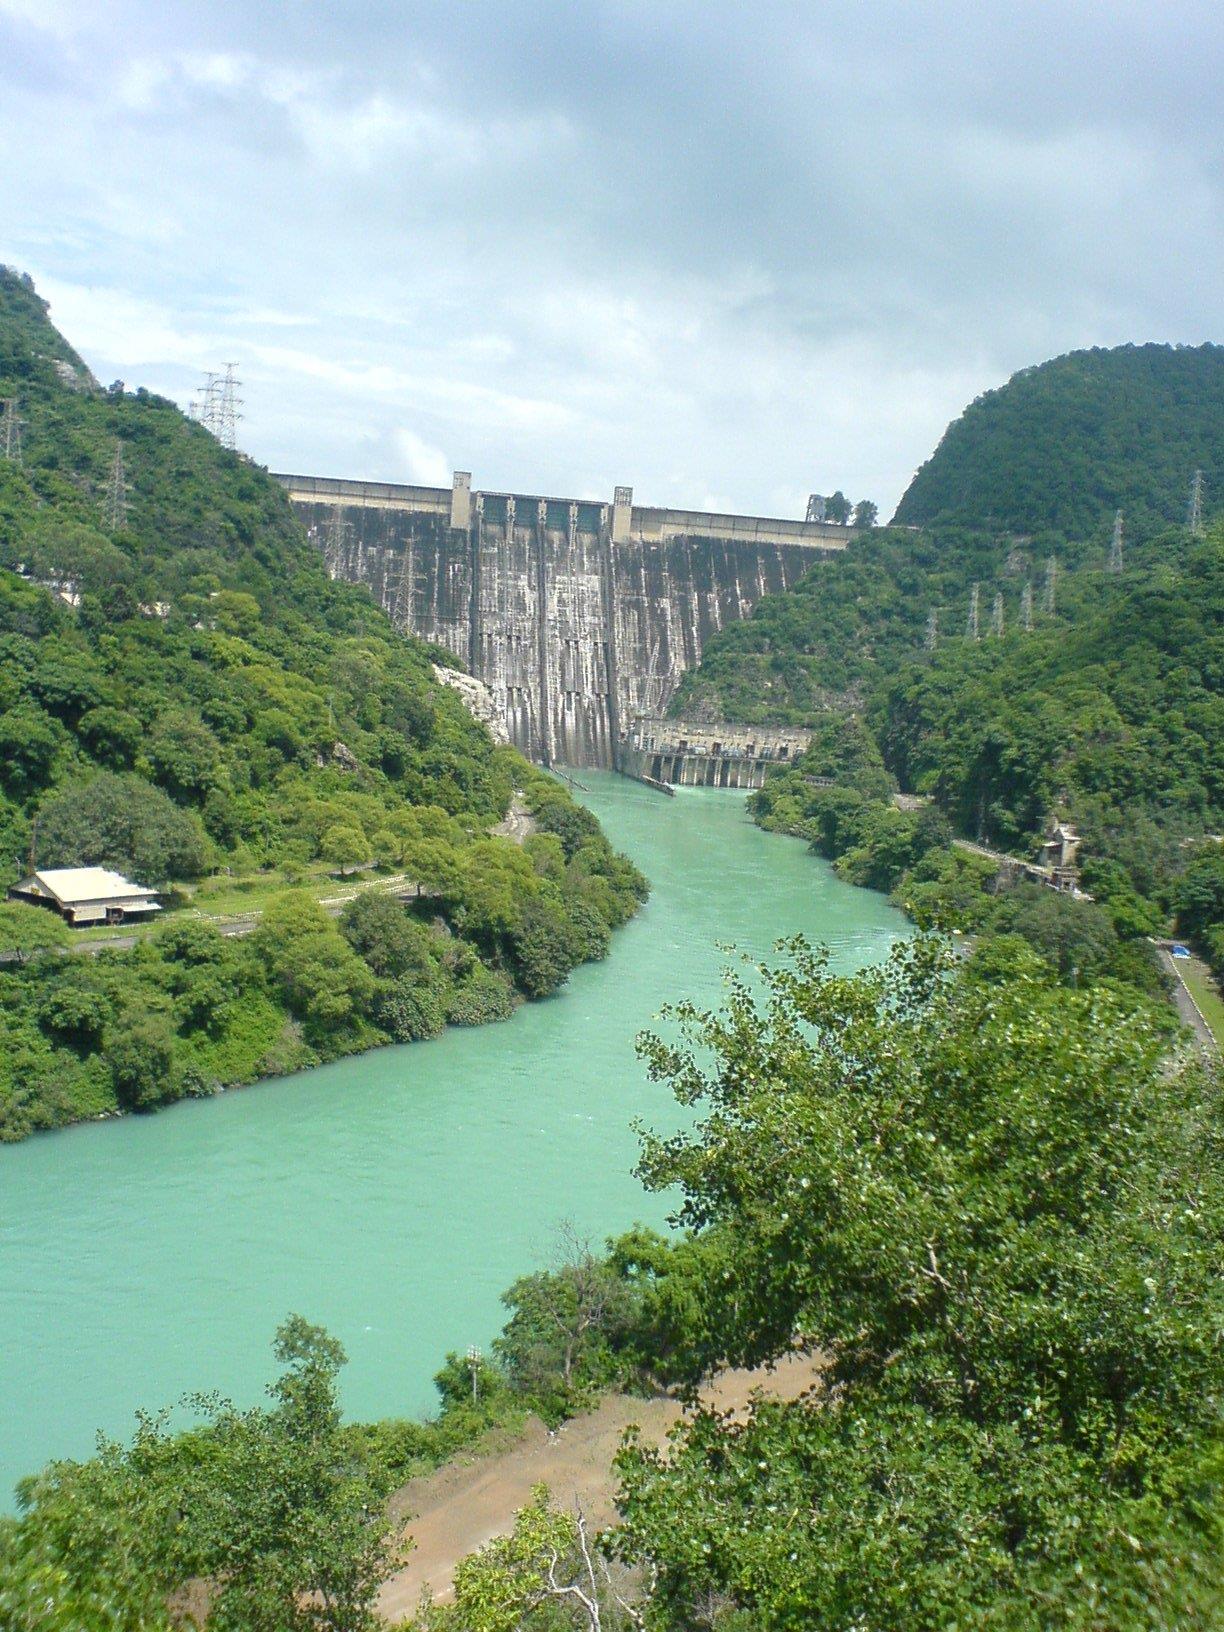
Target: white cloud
[[420, 461]]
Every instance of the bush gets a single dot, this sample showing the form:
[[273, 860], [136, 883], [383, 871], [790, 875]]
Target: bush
[[483, 996]]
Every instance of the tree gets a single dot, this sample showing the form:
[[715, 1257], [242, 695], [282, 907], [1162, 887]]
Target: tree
[[547, 1573], [121, 822], [561, 1322], [866, 514], [544, 945], [319, 976], [270, 1506], [345, 846], [837, 508], [185, 755], [25, 931], [997, 1209]]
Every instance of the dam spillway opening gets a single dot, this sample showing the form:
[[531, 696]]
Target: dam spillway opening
[[579, 616]]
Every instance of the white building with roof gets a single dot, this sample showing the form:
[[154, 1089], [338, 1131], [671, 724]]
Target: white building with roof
[[86, 895]]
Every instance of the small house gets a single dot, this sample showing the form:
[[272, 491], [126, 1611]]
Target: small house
[[86, 895]]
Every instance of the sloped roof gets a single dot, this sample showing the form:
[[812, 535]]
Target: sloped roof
[[68, 884]]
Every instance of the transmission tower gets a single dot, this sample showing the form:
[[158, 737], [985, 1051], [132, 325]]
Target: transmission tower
[[1115, 547], [1026, 608], [996, 615], [219, 407], [816, 507], [972, 626], [334, 542], [115, 496], [10, 430], [932, 629], [230, 408], [1194, 511], [1051, 583]]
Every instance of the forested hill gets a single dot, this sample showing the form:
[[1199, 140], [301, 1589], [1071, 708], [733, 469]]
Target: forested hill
[[1061, 446], [187, 697]]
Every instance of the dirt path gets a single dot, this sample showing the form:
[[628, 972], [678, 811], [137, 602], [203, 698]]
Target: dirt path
[[462, 1506]]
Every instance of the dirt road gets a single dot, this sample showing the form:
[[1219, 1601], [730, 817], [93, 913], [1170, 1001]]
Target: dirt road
[[462, 1506]]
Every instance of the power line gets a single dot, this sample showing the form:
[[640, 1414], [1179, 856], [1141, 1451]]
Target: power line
[[1115, 547], [1194, 512], [115, 496]]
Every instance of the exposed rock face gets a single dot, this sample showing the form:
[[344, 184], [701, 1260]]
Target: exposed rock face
[[477, 699], [577, 616]]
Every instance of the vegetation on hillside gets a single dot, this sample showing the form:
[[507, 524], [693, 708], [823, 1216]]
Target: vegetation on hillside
[[993, 1202], [1094, 694], [184, 690], [1066, 443]]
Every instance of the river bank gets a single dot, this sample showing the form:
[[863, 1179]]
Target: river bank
[[391, 1196]]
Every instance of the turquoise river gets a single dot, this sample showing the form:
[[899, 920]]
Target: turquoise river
[[391, 1197]]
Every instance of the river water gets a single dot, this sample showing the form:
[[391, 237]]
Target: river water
[[391, 1197]]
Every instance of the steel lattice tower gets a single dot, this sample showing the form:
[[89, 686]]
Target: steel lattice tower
[[229, 410], [996, 615], [1194, 511], [932, 629], [1026, 608], [115, 496], [1115, 547], [974, 598], [10, 430]]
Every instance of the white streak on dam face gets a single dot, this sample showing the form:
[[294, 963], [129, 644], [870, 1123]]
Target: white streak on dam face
[[574, 634]]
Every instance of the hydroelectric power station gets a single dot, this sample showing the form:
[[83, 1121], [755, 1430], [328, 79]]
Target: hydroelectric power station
[[579, 616]]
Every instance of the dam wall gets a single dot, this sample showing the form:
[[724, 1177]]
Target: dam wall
[[578, 615]]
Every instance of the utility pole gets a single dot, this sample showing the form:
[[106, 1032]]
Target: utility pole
[[473, 1359], [1194, 511], [932, 629], [1051, 582], [996, 615], [115, 498], [1115, 547], [10, 430], [972, 627], [1026, 607]]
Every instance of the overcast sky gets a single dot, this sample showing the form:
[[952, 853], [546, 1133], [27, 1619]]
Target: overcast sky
[[727, 253]]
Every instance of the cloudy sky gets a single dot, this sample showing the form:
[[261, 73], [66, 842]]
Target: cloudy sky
[[728, 253]]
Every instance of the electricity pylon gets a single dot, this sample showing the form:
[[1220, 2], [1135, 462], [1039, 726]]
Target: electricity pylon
[[1115, 547], [996, 615], [10, 430], [1026, 608], [932, 629], [972, 627], [115, 496], [1194, 511]]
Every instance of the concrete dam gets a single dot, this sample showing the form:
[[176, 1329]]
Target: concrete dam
[[579, 616]]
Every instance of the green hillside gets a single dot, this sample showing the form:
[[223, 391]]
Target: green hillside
[[1062, 446], [185, 695]]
